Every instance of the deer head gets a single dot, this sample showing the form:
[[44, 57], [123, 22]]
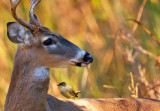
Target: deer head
[[49, 49]]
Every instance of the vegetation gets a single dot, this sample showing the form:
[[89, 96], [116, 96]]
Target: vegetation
[[132, 71]]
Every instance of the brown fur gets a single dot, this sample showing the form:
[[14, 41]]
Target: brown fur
[[27, 94], [28, 90], [24, 91], [110, 104]]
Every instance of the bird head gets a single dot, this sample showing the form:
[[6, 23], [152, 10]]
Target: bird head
[[62, 84]]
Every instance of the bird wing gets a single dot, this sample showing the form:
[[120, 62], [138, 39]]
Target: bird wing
[[72, 92], [65, 94]]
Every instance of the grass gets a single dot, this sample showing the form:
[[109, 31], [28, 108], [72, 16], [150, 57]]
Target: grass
[[92, 26]]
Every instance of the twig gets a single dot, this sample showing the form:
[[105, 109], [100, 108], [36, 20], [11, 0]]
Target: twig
[[139, 16], [84, 78], [132, 87], [138, 47], [145, 29], [114, 40], [153, 87]]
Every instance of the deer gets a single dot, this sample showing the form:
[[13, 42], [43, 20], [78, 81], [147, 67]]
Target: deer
[[40, 49]]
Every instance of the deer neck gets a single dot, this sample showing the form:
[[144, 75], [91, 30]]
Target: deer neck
[[29, 84]]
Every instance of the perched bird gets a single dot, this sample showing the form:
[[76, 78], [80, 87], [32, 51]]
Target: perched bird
[[67, 91]]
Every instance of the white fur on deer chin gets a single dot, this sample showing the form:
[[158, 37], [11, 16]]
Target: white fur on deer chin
[[41, 74]]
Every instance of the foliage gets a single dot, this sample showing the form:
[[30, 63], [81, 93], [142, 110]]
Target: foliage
[[92, 25]]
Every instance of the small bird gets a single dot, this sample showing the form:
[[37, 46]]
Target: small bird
[[67, 91]]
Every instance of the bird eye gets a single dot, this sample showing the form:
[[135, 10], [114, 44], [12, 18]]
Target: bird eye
[[48, 42]]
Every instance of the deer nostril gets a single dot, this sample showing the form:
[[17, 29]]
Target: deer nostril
[[88, 58]]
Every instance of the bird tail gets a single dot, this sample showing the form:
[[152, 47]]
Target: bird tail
[[77, 92]]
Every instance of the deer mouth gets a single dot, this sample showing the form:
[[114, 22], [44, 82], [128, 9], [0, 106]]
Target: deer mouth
[[80, 64], [87, 59]]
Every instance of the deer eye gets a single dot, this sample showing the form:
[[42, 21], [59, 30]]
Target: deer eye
[[48, 42]]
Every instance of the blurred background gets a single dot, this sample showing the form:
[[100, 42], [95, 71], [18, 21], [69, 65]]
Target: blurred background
[[93, 26]]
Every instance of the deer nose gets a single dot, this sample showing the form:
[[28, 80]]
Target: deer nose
[[88, 58]]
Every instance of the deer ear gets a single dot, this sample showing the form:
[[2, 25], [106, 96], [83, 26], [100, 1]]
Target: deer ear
[[16, 33]]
